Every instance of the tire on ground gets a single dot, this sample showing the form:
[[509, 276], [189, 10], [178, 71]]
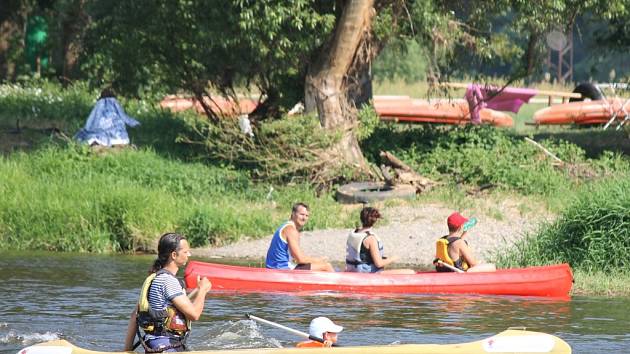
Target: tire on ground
[[587, 90], [367, 192]]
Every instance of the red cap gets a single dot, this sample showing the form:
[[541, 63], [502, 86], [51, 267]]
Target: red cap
[[455, 221]]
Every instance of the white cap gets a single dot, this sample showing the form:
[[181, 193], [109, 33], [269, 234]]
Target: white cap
[[321, 325]]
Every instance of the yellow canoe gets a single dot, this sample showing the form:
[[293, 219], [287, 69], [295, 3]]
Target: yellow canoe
[[509, 341]]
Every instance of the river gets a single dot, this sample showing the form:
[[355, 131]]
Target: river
[[87, 299]]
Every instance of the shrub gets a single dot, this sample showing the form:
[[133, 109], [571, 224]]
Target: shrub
[[480, 155], [283, 150], [592, 234]]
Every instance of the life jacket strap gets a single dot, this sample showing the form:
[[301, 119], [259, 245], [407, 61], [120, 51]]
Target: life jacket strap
[[179, 342], [354, 263]]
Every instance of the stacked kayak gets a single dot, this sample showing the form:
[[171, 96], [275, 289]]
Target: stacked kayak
[[396, 108], [406, 109], [552, 281], [584, 112], [226, 107], [509, 341]]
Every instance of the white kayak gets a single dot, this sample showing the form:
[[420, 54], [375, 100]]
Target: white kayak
[[510, 341]]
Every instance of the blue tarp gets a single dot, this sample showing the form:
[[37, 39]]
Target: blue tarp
[[106, 124]]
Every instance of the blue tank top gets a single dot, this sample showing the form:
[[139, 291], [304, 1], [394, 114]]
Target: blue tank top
[[278, 256]]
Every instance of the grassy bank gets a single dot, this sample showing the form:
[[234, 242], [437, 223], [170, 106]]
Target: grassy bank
[[592, 234], [70, 199], [601, 283]]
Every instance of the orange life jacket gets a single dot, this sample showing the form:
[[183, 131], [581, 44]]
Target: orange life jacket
[[310, 344]]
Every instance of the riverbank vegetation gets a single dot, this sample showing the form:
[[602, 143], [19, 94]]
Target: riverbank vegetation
[[592, 233], [64, 197], [217, 187]]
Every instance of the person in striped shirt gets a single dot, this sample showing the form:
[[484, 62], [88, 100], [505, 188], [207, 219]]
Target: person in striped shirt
[[164, 311]]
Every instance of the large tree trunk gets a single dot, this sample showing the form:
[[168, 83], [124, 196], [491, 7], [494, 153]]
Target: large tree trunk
[[12, 27], [336, 82], [8, 30], [532, 56], [72, 24]]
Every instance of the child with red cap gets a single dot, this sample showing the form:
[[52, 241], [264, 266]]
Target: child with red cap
[[452, 250]]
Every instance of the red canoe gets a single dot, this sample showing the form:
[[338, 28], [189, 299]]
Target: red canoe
[[553, 281]]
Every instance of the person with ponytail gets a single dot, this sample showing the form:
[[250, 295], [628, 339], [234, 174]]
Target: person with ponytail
[[364, 250], [164, 312]]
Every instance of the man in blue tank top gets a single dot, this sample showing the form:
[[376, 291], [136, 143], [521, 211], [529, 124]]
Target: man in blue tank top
[[285, 252]]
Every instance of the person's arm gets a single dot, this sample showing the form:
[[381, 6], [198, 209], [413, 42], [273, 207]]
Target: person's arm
[[372, 245], [293, 239], [132, 328], [466, 253], [192, 308]]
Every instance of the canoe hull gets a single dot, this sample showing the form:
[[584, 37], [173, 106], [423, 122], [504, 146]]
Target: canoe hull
[[583, 113], [396, 108], [509, 341], [552, 281], [406, 109]]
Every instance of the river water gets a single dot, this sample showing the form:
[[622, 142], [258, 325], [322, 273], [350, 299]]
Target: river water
[[87, 299]]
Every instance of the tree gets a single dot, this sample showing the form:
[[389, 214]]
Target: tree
[[329, 79], [319, 51]]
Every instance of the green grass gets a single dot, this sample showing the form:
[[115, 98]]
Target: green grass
[[69, 199], [592, 233], [614, 283]]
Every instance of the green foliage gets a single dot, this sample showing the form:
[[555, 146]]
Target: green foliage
[[368, 121], [38, 101], [406, 61], [282, 150], [41, 104], [592, 233], [600, 283], [69, 199], [481, 155], [191, 45]]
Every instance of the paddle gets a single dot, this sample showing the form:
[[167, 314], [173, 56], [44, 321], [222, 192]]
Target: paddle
[[291, 330], [450, 267]]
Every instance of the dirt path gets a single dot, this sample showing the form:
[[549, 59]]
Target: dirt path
[[410, 234]]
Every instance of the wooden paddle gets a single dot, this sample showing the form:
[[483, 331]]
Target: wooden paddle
[[291, 330]]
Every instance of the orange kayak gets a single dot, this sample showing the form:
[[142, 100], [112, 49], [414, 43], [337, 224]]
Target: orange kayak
[[396, 108], [406, 109], [226, 107], [584, 112]]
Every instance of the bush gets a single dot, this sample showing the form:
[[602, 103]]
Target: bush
[[592, 234], [288, 149], [479, 155], [39, 101]]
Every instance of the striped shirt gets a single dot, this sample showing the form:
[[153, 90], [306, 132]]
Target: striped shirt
[[163, 290]]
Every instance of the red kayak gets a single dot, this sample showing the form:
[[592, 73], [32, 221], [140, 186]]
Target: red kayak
[[553, 281]]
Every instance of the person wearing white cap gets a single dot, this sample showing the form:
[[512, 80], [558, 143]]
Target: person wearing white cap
[[324, 328]]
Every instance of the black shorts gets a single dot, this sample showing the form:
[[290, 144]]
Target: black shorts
[[303, 266]]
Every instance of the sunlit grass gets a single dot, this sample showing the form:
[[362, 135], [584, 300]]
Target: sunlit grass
[[615, 283]]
